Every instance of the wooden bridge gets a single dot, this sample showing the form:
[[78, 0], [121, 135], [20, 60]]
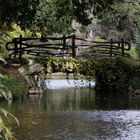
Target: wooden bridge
[[66, 46]]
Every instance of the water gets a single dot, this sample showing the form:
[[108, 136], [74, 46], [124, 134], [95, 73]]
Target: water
[[76, 114]]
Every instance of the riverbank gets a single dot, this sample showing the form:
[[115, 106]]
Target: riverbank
[[110, 74], [12, 83]]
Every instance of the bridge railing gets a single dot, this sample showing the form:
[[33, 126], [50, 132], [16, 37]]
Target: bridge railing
[[66, 46], [110, 48]]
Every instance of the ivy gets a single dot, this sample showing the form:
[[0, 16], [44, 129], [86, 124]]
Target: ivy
[[112, 74], [78, 66]]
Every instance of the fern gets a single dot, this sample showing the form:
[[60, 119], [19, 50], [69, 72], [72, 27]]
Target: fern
[[5, 130]]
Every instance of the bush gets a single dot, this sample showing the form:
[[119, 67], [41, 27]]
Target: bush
[[15, 32], [9, 84], [113, 74]]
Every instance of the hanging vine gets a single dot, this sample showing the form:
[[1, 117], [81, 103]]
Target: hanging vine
[[79, 67]]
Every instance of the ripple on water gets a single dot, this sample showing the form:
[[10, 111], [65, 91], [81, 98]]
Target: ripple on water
[[87, 125], [65, 116], [123, 124]]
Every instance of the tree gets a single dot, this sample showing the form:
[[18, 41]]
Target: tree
[[53, 16], [19, 11], [57, 15]]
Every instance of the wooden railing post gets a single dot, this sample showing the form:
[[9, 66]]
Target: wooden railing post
[[111, 47], [20, 47], [73, 46], [64, 44], [15, 47], [122, 47]]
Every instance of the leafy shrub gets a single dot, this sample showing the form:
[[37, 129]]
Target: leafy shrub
[[113, 74], [11, 85], [15, 32], [78, 66]]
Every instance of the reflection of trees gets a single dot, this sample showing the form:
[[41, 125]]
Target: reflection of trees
[[111, 101], [83, 99], [87, 99], [70, 99]]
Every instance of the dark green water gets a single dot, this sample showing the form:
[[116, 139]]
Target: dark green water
[[76, 115]]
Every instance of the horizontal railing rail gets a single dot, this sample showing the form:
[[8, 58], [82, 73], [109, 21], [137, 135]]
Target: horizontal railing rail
[[67, 46]]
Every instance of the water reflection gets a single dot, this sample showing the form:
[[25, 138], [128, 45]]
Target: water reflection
[[72, 99], [77, 114], [82, 99]]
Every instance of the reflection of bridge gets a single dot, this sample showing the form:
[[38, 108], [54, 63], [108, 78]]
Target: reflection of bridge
[[66, 46]]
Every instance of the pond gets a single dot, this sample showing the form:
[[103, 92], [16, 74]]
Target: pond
[[76, 114]]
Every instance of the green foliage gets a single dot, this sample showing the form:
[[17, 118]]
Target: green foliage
[[5, 118], [117, 16], [133, 52], [137, 41], [3, 91], [9, 84], [7, 36], [16, 31], [57, 16], [3, 52], [113, 74], [52, 16], [5, 130], [19, 11], [78, 66]]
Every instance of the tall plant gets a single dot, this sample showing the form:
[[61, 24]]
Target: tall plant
[[5, 129]]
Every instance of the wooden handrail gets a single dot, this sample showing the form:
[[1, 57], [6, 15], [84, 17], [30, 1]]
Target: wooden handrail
[[71, 45]]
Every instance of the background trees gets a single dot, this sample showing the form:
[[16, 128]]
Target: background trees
[[19, 11], [57, 16], [54, 15]]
